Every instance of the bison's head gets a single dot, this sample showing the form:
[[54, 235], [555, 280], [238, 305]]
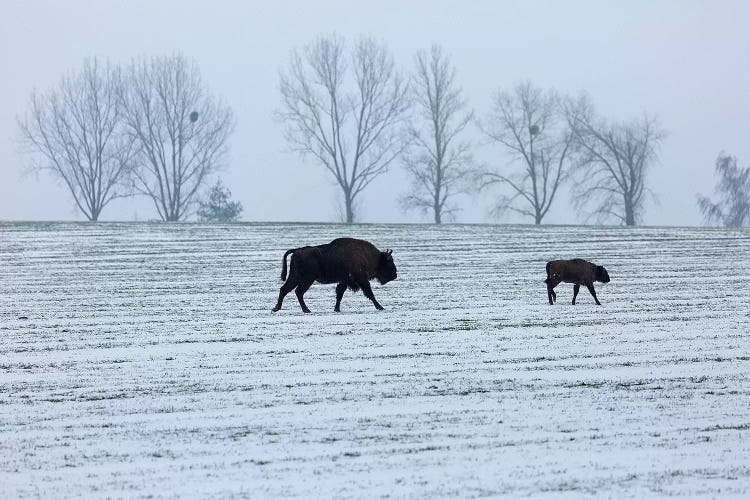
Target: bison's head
[[602, 274], [386, 268]]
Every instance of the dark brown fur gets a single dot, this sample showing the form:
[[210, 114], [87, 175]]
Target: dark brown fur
[[350, 262], [576, 271]]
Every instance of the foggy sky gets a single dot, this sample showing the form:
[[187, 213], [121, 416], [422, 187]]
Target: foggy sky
[[688, 62]]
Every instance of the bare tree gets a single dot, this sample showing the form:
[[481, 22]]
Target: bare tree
[[75, 132], [614, 159], [181, 130], [529, 124], [733, 189], [438, 164], [347, 115]]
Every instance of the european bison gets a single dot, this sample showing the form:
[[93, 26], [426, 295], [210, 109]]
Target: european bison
[[577, 271], [349, 262]]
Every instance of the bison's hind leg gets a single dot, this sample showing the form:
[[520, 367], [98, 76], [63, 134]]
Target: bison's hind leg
[[287, 287]]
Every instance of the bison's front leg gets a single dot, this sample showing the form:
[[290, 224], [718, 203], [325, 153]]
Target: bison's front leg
[[340, 289], [576, 288], [593, 294], [300, 292], [551, 295], [287, 287], [365, 286]]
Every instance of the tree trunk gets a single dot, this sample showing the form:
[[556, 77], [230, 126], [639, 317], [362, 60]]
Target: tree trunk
[[348, 201], [436, 208], [629, 213]]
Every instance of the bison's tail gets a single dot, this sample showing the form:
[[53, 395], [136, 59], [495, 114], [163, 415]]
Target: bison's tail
[[547, 268], [283, 263]]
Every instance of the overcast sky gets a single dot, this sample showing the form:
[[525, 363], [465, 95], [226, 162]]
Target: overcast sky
[[688, 62]]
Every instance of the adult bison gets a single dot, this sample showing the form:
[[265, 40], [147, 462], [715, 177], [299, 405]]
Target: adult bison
[[576, 271], [350, 262]]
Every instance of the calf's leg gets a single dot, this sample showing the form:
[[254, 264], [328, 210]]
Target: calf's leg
[[593, 294], [340, 289], [365, 286], [575, 292], [551, 295]]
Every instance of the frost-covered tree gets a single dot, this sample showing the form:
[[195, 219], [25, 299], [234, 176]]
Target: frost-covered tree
[[219, 207], [345, 112], [733, 190], [437, 162], [75, 132]]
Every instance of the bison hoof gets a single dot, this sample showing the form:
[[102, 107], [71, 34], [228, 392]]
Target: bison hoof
[[275, 309], [336, 309], [306, 310]]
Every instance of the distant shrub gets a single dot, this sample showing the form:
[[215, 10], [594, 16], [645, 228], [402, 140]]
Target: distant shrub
[[733, 189], [219, 207]]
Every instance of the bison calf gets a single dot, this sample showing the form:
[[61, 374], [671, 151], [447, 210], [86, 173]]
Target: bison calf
[[576, 271], [349, 262]]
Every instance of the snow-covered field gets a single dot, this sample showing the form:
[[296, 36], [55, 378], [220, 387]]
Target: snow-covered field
[[142, 360]]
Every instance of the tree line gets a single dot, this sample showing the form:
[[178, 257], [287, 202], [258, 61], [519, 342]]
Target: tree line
[[152, 128]]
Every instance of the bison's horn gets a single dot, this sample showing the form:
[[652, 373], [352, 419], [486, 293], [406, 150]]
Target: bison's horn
[[389, 252]]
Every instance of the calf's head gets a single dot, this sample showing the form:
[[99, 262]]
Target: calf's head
[[386, 268], [602, 274]]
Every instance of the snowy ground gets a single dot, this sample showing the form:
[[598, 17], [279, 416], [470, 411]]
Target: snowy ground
[[142, 360]]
